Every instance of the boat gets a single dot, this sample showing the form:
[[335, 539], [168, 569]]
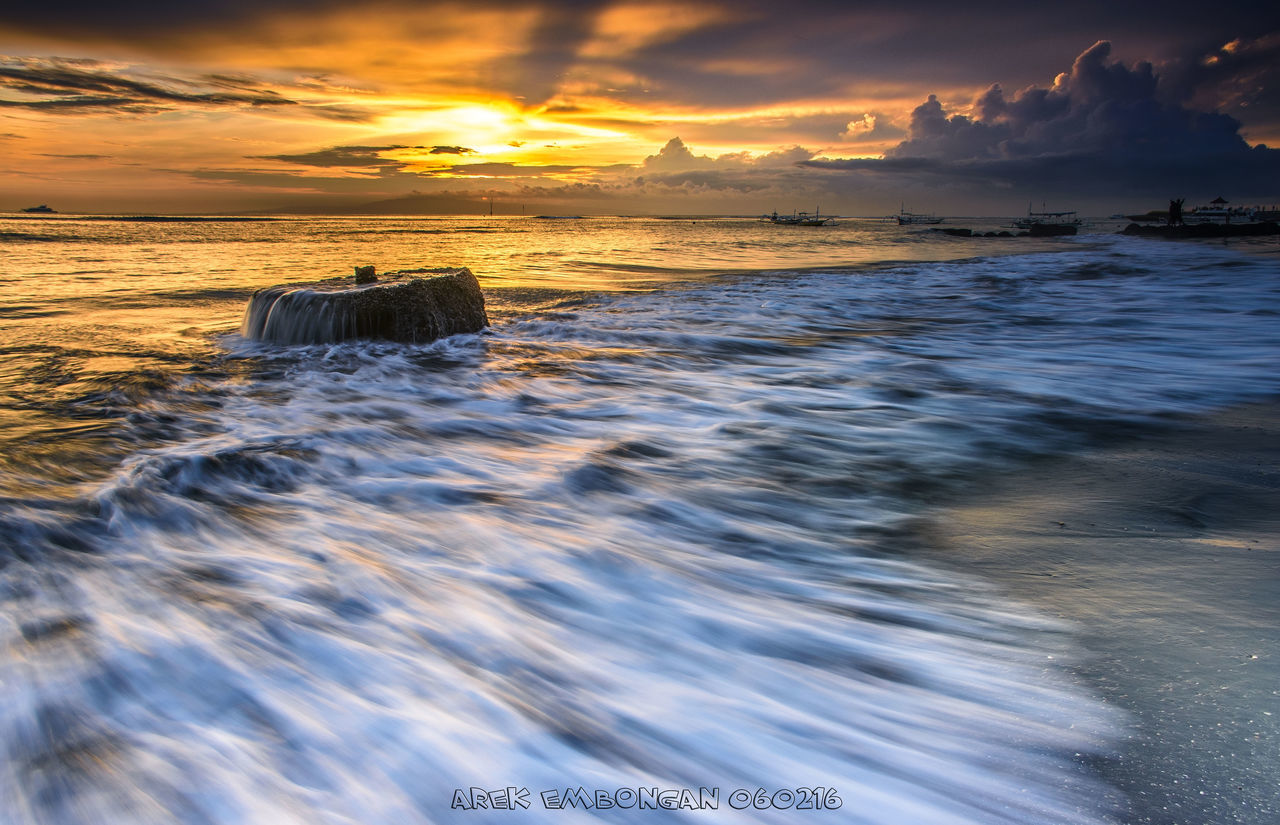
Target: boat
[[1049, 223], [1218, 211], [799, 219], [42, 209], [906, 218]]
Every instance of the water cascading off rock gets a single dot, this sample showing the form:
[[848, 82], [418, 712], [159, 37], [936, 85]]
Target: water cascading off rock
[[401, 306]]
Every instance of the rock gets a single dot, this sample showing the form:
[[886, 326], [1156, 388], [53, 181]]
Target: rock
[[366, 274], [400, 307], [1205, 230], [1052, 230]]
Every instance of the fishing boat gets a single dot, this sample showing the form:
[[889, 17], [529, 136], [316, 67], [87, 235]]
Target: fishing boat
[[1049, 223], [42, 209], [1219, 211], [906, 218], [799, 219]]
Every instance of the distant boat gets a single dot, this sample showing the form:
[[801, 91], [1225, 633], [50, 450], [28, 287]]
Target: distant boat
[[1049, 223], [906, 218], [799, 219], [1218, 211], [41, 209]]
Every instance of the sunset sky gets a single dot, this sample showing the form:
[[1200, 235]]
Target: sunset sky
[[636, 107]]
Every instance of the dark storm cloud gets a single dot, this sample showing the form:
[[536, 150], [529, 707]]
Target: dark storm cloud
[[825, 49], [1241, 77], [1102, 126], [141, 19], [765, 52]]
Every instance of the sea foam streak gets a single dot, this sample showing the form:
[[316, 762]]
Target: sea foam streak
[[632, 544]]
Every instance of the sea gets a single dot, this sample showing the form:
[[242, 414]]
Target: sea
[[632, 554]]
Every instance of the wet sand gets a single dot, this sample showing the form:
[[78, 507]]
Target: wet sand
[[1164, 553]]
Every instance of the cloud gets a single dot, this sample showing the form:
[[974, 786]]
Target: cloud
[[676, 167], [57, 84], [676, 157], [385, 182], [871, 127], [75, 86], [1240, 77], [142, 19], [675, 170], [1101, 126], [371, 158], [737, 53], [360, 156], [503, 170]]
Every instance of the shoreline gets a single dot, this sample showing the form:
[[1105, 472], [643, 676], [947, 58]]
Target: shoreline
[[1163, 552]]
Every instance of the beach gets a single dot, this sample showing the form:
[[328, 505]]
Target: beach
[[1163, 551]]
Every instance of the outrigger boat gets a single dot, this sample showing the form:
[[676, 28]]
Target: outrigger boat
[[906, 218], [799, 219], [1049, 223]]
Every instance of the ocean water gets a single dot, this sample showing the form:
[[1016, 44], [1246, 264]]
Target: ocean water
[[640, 534]]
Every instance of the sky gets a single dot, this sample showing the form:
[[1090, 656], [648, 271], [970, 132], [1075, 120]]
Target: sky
[[636, 107]]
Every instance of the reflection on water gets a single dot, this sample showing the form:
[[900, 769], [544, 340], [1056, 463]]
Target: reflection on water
[[96, 309]]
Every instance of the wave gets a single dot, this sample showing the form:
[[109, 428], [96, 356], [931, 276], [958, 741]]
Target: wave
[[624, 540], [388, 577]]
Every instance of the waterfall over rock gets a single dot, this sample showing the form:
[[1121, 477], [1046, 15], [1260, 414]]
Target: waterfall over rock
[[399, 307]]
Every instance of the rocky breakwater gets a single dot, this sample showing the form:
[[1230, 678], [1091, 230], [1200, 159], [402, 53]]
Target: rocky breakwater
[[411, 306], [1205, 230]]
